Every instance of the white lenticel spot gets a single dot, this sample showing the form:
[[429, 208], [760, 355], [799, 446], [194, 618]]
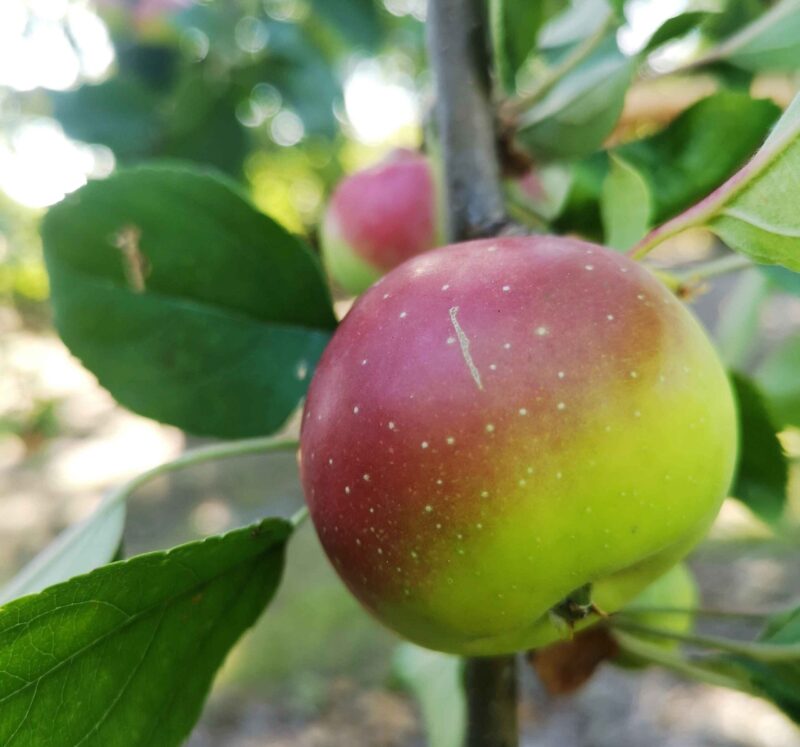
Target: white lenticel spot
[[523, 411], [489, 428], [440, 482], [588, 267], [640, 296], [506, 288], [386, 295], [403, 314], [347, 490], [366, 477], [561, 406], [428, 509], [391, 425], [445, 286], [637, 414], [492, 366], [451, 340], [561, 374], [484, 493], [355, 410], [558, 475], [364, 362], [610, 317], [424, 444], [542, 331], [529, 470], [450, 440], [330, 461], [522, 483], [492, 248], [507, 345], [634, 374]]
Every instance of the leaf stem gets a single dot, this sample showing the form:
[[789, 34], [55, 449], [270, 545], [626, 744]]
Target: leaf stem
[[766, 652], [715, 267], [698, 612], [201, 455], [515, 107], [676, 663]]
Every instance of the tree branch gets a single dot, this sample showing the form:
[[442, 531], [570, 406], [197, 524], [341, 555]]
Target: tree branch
[[491, 686], [457, 48]]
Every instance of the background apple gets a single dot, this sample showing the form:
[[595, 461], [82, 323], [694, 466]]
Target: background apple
[[675, 590], [378, 218], [499, 423]]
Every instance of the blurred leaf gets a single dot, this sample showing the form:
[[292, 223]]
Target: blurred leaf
[[78, 549], [770, 42], [297, 67], [514, 27], [740, 317], [732, 16], [625, 205], [358, 21], [435, 681], [755, 212], [580, 111], [580, 19], [763, 470], [683, 162], [126, 654], [189, 305], [675, 27], [776, 681], [783, 279], [120, 113], [779, 377]]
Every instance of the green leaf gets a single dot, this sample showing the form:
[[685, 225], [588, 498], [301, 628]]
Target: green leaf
[[78, 549], [124, 656], [770, 42], [581, 110], [756, 212], [121, 113], [579, 20], [763, 470], [778, 377], [778, 682], [435, 681], [626, 205], [683, 162], [675, 27], [358, 21], [700, 148], [189, 306], [782, 279], [514, 26]]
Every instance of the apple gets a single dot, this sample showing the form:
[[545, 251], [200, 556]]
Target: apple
[[378, 218], [505, 437]]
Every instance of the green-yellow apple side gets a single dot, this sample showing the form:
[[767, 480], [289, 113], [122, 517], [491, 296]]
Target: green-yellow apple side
[[378, 218], [676, 590], [499, 423]]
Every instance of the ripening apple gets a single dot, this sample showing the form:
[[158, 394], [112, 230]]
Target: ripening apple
[[378, 218], [505, 436]]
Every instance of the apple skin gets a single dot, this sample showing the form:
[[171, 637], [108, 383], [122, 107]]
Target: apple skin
[[378, 218], [496, 424]]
